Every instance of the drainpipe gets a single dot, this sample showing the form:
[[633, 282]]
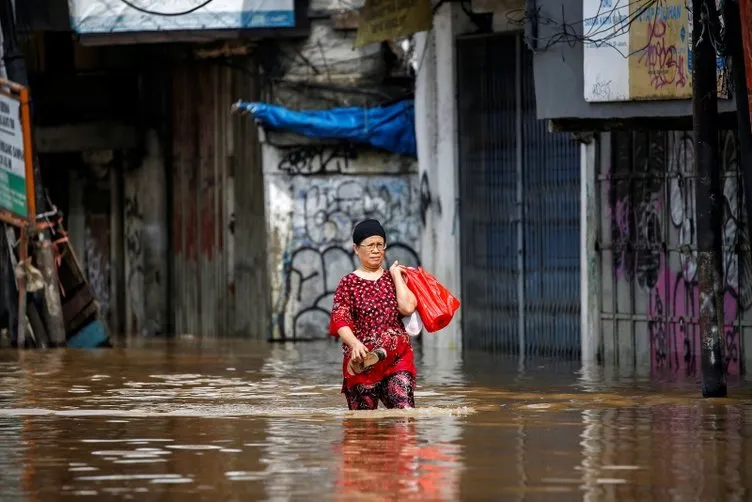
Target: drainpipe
[[15, 66]]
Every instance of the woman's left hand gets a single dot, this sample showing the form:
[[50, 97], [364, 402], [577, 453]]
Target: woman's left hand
[[396, 269], [406, 301]]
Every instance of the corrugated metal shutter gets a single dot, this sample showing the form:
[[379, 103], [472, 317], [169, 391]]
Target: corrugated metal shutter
[[520, 275], [219, 280]]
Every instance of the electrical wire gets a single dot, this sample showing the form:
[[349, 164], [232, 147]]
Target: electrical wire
[[565, 32], [602, 34], [167, 14]]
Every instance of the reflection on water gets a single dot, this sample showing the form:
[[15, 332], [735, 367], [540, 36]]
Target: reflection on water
[[399, 459], [225, 420]]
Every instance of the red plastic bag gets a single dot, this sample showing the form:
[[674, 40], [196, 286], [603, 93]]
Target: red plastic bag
[[436, 305]]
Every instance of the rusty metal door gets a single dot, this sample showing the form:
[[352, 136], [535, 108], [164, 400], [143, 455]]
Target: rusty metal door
[[219, 279]]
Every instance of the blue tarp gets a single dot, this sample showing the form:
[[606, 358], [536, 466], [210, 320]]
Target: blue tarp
[[390, 127]]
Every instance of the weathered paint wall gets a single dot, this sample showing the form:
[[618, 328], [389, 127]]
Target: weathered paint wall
[[117, 225], [86, 187], [590, 271], [316, 194], [436, 131], [219, 282], [649, 298], [93, 210], [145, 241], [327, 55]]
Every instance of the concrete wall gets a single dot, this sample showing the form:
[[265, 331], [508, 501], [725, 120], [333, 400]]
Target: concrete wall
[[436, 131], [311, 217], [590, 270], [145, 241], [316, 192]]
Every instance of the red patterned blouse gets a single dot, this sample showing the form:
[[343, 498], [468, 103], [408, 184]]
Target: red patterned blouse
[[369, 308]]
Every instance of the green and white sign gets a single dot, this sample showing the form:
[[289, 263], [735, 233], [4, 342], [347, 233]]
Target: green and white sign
[[12, 165]]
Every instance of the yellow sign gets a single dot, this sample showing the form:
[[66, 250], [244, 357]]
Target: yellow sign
[[660, 46], [382, 20], [659, 43]]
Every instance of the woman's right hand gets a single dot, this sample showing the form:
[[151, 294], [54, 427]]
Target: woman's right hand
[[358, 351]]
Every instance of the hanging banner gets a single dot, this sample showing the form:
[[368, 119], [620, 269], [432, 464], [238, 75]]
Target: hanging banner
[[639, 51], [382, 20], [745, 11], [119, 16]]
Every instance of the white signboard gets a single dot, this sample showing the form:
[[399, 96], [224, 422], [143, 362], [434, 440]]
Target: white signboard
[[12, 164], [131, 16], [606, 49]]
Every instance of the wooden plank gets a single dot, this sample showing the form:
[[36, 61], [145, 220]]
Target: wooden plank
[[78, 302], [88, 314]]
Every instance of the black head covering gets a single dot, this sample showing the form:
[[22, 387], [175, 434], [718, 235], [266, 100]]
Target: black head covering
[[366, 229]]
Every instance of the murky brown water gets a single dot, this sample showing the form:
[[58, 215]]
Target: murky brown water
[[192, 420]]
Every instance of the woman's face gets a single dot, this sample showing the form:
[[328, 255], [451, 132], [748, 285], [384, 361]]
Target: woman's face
[[371, 252]]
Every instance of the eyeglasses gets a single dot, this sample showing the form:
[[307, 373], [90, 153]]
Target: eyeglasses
[[376, 246]]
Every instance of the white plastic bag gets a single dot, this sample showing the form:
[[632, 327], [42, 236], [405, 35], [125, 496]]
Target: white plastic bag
[[413, 324]]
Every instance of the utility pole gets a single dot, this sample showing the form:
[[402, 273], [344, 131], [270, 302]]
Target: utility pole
[[15, 65], [708, 198]]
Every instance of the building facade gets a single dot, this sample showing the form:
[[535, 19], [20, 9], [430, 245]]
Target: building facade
[[161, 186], [577, 243], [497, 186], [640, 299]]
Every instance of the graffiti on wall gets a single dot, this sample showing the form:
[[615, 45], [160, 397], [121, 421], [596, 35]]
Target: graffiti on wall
[[317, 159], [427, 200], [326, 208], [648, 54], [96, 259], [652, 201], [134, 273]]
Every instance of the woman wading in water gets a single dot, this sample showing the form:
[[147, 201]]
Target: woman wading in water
[[368, 306]]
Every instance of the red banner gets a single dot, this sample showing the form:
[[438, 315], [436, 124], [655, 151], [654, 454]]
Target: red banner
[[745, 8]]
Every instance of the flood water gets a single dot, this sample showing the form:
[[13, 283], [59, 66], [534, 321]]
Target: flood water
[[227, 420]]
